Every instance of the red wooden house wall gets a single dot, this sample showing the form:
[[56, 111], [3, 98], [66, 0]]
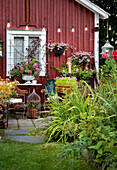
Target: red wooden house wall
[[51, 13]]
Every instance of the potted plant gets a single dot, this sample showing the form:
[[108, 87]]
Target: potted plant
[[30, 67], [16, 73], [33, 108], [58, 48], [65, 83]]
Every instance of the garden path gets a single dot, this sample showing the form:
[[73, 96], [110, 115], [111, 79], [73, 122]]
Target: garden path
[[18, 130]]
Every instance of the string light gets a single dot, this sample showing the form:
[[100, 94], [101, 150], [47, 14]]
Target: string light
[[109, 28], [27, 28], [43, 29], [112, 39], [73, 30], [59, 30], [8, 24], [86, 28]]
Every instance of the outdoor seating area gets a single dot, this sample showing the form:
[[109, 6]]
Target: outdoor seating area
[[58, 84]]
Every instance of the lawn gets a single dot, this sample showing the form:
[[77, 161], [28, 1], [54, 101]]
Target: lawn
[[16, 156]]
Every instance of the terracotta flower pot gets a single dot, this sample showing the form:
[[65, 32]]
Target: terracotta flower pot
[[61, 89], [33, 112]]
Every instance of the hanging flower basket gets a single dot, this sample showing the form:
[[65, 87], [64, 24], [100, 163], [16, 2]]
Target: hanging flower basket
[[59, 51]]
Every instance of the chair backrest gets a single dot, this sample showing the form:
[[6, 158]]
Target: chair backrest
[[50, 86], [21, 93]]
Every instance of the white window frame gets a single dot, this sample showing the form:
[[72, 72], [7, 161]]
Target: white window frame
[[10, 34]]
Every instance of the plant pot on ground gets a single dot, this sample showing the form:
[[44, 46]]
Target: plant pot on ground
[[33, 112]]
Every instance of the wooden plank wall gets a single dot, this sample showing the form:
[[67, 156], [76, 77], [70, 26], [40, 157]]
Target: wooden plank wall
[[51, 13]]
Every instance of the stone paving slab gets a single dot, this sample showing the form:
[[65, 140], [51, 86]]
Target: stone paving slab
[[27, 139], [16, 132], [12, 123]]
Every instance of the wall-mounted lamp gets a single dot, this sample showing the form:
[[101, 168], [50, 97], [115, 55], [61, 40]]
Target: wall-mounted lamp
[[8, 24], [43, 29], [86, 28], [1, 48], [73, 30], [59, 30], [96, 28], [27, 28]]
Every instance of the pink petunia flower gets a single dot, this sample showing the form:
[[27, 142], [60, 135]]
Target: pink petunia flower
[[37, 70], [76, 70], [22, 69], [29, 71], [26, 64], [35, 65], [30, 62]]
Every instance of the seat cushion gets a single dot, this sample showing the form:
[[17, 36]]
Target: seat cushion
[[16, 100]]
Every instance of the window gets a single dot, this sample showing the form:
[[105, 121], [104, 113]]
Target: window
[[18, 41]]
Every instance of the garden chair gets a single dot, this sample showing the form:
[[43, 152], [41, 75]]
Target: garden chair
[[49, 89], [19, 102]]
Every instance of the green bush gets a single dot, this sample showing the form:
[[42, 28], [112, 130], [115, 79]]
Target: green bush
[[65, 81], [87, 118]]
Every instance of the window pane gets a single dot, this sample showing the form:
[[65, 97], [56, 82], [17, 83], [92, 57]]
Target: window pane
[[36, 54], [18, 49]]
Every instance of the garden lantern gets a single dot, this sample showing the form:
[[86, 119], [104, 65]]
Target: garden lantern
[[107, 49]]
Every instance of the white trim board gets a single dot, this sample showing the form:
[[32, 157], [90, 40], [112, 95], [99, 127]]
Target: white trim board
[[94, 8]]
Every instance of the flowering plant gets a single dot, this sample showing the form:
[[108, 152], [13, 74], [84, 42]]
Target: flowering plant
[[30, 67], [58, 46], [7, 89], [80, 64], [114, 54], [80, 58]]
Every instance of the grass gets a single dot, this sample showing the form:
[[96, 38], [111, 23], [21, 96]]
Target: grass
[[25, 156]]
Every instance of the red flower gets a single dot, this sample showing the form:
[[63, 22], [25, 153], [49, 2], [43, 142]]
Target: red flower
[[108, 140], [115, 55], [104, 55]]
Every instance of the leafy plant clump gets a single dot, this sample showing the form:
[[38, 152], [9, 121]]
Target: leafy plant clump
[[65, 81], [90, 117]]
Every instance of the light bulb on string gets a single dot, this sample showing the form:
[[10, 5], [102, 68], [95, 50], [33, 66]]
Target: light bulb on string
[[73, 30], [27, 28], [59, 30], [112, 39], [86, 28], [43, 29], [8, 24], [109, 28]]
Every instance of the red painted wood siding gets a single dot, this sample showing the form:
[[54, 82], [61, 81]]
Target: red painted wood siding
[[51, 13]]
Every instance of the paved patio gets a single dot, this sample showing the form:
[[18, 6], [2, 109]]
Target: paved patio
[[18, 130], [24, 123]]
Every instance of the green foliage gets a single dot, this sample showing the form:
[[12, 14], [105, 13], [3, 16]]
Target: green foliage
[[89, 118], [16, 71], [65, 81], [109, 67], [32, 105]]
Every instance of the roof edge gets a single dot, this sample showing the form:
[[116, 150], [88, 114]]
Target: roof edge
[[94, 8]]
